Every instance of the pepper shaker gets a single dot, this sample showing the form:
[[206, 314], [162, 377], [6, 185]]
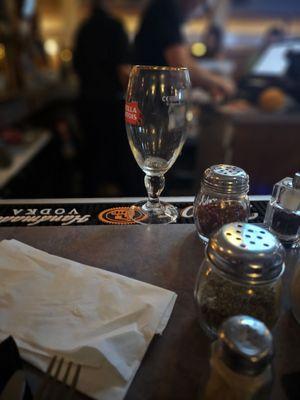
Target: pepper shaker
[[240, 274], [223, 198], [283, 212]]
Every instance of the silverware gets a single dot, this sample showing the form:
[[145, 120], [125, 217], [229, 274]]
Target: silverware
[[51, 388], [14, 390]]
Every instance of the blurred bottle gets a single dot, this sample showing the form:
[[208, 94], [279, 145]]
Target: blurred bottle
[[241, 361], [295, 285]]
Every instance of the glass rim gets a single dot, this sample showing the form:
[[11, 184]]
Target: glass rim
[[159, 68]]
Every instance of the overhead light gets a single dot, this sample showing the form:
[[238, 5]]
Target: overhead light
[[51, 47]]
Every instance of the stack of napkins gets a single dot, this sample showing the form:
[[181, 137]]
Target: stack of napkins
[[101, 320]]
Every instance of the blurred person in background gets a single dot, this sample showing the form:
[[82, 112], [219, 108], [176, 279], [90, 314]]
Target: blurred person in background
[[102, 62], [213, 39], [273, 35], [160, 42]]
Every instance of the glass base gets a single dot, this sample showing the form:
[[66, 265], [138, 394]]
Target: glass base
[[164, 213]]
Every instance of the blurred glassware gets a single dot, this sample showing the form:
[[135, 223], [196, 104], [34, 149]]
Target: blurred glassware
[[156, 123], [295, 288], [241, 274], [223, 198]]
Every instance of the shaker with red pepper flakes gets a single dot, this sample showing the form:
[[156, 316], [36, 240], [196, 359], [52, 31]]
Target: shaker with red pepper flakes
[[223, 198]]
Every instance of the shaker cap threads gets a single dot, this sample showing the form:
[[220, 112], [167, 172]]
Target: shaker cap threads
[[246, 252], [226, 179], [245, 344]]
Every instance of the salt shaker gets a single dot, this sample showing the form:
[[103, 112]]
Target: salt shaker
[[241, 361], [223, 198], [283, 211], [240, 274]]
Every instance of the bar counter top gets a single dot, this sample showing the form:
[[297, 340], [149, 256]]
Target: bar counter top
[[176, 365]]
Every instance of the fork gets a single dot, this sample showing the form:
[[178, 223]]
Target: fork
[[50, 389]]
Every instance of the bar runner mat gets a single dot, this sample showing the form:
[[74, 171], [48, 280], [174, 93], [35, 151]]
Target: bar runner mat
[[93, 214]]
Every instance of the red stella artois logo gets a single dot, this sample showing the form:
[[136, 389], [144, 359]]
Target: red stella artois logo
[[133, 115]]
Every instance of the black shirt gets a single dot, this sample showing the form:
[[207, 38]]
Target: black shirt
[[101, 46], [160, 29]]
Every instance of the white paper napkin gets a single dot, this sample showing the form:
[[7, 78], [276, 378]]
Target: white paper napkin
[[102, 320]]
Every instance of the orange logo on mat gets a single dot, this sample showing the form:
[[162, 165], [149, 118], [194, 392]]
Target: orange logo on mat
[[120, 216]]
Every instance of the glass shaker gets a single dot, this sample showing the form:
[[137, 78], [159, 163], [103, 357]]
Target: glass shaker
[[241, 361], [223, 198], [241, 274], [283, 211]]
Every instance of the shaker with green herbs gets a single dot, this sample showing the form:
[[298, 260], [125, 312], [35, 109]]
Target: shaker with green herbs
[[241, 274]]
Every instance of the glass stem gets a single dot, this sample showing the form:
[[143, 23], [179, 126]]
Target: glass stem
[[154, 185]]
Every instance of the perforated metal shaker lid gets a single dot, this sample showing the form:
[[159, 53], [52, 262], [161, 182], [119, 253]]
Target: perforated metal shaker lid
[[246, 253], [245, 344], [226, 179]]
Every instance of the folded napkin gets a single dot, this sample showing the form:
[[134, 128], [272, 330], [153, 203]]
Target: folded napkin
[[101, 320]]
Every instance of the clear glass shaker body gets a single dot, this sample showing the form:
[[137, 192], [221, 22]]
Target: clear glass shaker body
[[212, 210], [283, 211], [219, 297]]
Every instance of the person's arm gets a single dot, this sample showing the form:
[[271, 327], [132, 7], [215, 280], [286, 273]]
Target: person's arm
[[178, 55]]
